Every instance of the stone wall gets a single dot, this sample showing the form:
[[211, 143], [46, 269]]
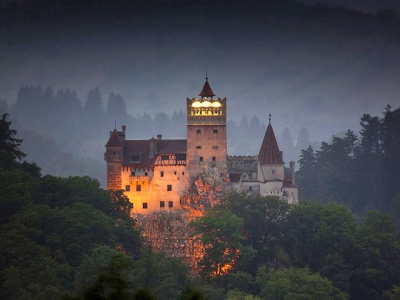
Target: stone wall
[[170, 233]]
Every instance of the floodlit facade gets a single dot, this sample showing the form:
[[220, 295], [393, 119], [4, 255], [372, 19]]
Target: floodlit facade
[[155, 172]]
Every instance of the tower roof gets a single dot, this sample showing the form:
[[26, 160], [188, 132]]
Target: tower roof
[[269, 152], [114, 140], [206, 91]]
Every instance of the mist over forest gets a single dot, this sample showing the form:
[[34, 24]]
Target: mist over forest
[[317, 69]]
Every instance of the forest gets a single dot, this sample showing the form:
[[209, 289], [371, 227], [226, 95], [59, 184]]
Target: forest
[[67, 238]]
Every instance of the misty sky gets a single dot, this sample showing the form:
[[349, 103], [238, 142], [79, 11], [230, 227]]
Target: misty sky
[[321, 73]]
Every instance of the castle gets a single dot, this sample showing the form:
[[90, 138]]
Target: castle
[[154, 173]]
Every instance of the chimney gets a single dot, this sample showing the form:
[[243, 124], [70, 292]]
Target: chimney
[[123, 132], [292, 171], [159, 137], [153, 147]]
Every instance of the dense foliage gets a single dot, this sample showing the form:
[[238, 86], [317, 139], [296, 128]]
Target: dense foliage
[[359, 171], [306, 251]]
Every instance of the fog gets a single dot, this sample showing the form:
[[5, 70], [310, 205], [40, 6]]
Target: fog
[[317, 68]]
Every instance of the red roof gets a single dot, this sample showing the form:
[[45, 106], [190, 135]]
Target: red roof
[[269, 152], [287, 182], [206, 91]]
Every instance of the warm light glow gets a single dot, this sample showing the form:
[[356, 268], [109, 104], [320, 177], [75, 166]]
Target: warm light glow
[[196, 104], [206, 103]]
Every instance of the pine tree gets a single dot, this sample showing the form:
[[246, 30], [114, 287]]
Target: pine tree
[[8, 142]]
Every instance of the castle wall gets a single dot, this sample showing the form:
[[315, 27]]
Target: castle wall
[[159, 190]]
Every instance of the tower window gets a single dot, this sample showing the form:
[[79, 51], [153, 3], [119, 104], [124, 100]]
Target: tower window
[[215, 131], [215, 147], [201, 158], [144, 205], [162, 173], [198, 131], [127, 188], [162, 203], [214, 158], [114, 153], [174, 172], [198, 147], [169, 187], [138, 188], [170, 204]]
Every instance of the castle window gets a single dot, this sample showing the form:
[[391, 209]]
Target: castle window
[[183, 173], [162, 173], [214, 158], [162, 203], [114, 153], [215, 131], [133, 173], [135, 157], [174, 172], [198, 131], [170, 204], [144, 205], [169, 187], [146, 174], [215, 147], [198, 147], [180, 156], [127, 188], [250, 188], [138, 188], [201, 158]]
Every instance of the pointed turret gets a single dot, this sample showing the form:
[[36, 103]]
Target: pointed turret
[[269, 152], [114, 140], [206, 91]]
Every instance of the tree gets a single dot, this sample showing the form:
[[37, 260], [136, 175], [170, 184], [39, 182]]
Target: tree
[[306, 176], [323, 238], [221, 238], [377, 260], [303, 140], [8, 142], [287, 145], [296, 284], [391, 157], [116, 108], [264, 223]]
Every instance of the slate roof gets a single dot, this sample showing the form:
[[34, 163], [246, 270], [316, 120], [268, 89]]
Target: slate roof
[[269, 151], [206, 91], [142, 148]]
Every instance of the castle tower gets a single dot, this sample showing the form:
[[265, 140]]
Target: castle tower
[[270, 164], [206, 131], [114, 157]]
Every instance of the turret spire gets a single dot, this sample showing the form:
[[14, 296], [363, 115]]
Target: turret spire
[[269, 152], [206, 91]]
